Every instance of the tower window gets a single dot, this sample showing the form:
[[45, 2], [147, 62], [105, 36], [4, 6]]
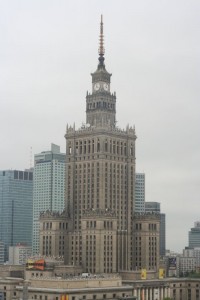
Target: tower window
[[92, 146], [106, 145], [98, 145], [70, 149]]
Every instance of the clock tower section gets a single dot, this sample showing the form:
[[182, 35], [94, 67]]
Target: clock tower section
[[101, 104]]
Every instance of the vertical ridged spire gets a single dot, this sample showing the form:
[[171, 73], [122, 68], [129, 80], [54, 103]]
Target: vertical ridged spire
[[101, 44]]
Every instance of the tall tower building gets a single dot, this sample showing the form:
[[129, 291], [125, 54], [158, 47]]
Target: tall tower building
[[100, 182], [16, 202], [139, 192], [49, 187]]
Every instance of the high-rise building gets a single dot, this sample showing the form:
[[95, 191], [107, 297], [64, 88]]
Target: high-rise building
[[155, 207], [139, 192], [100, 182], [16, 202], [48, 188], [194, 235]]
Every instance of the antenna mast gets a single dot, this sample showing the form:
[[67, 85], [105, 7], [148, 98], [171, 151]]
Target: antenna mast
[[101, 43]]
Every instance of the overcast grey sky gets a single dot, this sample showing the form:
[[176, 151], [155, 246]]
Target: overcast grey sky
[[48, 50]]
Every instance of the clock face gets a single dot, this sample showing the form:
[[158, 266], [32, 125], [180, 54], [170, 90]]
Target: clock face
[[105, 86], [96, 86]]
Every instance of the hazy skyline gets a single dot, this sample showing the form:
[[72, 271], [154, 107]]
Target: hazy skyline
[[48, 50]]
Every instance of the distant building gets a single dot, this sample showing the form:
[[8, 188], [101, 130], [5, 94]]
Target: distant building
[[182, 264], [185, 265], [19, 254], [194, 235], [16, 202], [155, 207], [49, 187], [172, 265], [139, 192], [194, 252], [152, 207]]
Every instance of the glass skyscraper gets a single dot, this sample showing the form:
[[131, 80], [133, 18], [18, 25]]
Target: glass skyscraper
[[49, 187], [16, 201]]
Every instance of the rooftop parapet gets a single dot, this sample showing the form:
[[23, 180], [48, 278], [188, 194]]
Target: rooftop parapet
[[86, 128], [48, 214], [146, 215]]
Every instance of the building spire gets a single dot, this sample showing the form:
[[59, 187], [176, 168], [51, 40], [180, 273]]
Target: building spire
[[101, 44]]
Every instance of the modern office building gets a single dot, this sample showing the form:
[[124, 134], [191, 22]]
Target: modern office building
[[152, 207], [100, 182], [193, 252], [185, 265], [19, 254], [139, 192], [190, 261], [49, 187], [16, 202], [155, 207], [194, 235]]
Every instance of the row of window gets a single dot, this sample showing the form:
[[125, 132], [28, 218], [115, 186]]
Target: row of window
[[101, 104], [152, 226], [92, 146]]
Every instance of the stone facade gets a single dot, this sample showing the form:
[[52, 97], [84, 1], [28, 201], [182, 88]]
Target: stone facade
[[8, 287], [100, 175], [12, 271], [53, 233], [147, 241], [101, 233], [99, 237], [99, 287]]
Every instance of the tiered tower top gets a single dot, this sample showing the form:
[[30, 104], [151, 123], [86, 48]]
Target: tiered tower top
[[100, 105]]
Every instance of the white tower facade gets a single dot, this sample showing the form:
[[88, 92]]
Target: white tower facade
[[139, 192]]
